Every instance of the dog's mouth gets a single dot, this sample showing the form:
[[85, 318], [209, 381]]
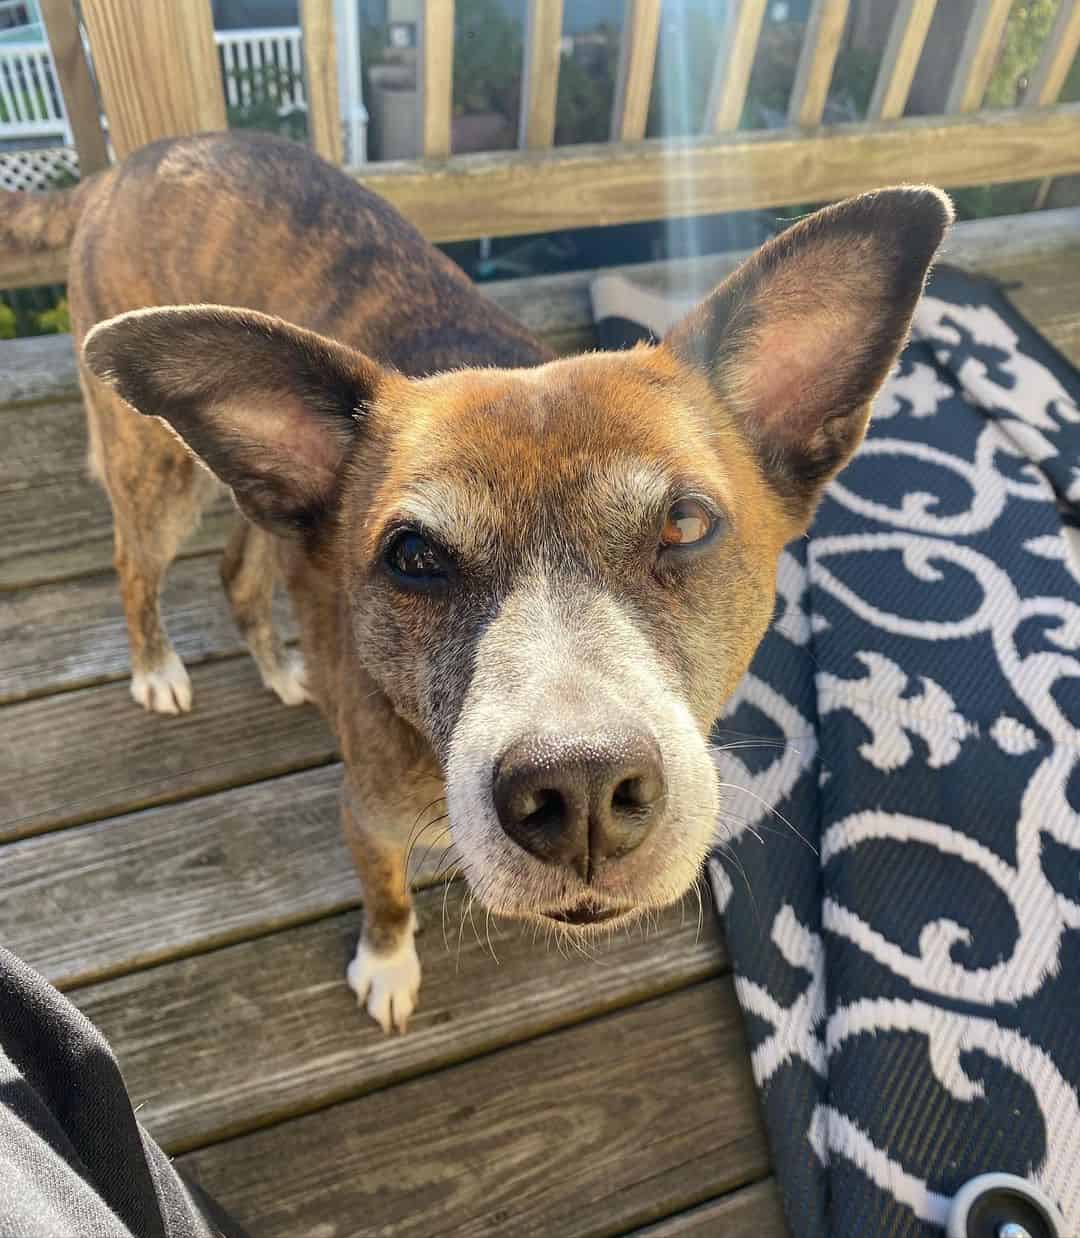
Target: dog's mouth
[[585, 914]]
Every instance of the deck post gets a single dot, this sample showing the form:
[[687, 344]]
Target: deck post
[[157, 68], [76, 85]]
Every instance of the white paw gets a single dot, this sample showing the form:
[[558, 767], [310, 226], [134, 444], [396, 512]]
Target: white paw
[[387, 984], [289, 680], [166, 690]]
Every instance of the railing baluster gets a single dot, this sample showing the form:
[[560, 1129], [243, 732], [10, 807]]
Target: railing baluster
[[228, 57], [977, 55], [637, 63], [320, 63], [258, 77], [296, 64], [243, 61], [824, 30], [75, 84], [36, 64], [907, 35], [731, 73], [29, 88], [437, 77], [1062, 44], [7, 91], [540, 79], [270, 68]]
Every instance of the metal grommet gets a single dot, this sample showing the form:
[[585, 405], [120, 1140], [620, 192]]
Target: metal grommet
[[1003, 1206]]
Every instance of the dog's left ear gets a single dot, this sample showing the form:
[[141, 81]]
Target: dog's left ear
[[273, 410], [798, 340]]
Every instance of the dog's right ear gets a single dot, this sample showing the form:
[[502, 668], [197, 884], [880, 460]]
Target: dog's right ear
[[272, 409]]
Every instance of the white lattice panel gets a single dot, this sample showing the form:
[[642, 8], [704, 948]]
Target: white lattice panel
[[37, 170]]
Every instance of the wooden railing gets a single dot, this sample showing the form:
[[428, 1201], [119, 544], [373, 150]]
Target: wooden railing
[[540, 187]]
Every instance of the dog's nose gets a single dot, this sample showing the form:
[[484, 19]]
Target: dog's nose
[[579, 800]]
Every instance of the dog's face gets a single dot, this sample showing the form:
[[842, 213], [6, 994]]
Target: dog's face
[[558, 575]]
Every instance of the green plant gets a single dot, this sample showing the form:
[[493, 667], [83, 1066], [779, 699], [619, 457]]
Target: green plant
[[487, 60], [55, 321], [33, 311], [586, 92], [1025, 35], [262, 90], [62, 178]]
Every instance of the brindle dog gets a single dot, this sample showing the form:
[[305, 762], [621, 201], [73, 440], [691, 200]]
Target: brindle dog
[[528, 584]]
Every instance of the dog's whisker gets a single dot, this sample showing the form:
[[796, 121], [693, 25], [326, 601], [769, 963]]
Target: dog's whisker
[[434, 842], [487, 934], [446, 893], [466, 906]]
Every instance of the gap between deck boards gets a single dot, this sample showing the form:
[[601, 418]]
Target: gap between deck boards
[[558, 1134], [276, 1033]]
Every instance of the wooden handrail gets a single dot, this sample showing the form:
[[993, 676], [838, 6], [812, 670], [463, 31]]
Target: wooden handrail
[[515, 192], [540, 80], [907, 35], [731, 73], [637, 63], [824, 30]]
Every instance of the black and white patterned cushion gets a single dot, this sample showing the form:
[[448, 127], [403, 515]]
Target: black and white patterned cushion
[[900, 869]]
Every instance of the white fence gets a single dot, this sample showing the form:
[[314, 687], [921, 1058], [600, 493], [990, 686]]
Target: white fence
[[260, 64], [31, 105], [255, 64]]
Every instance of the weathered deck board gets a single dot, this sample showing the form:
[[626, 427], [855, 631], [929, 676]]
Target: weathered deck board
[[43, 443], [71, 634], [1047, 293], [130, 891], [750, 1212], [232, 1040], [63, 528], [88, 754], [592, 1130]]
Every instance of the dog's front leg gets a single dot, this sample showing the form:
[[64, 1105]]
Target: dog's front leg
[[385, 972]]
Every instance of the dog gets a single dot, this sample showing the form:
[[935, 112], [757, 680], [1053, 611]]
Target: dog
[[525, 583]]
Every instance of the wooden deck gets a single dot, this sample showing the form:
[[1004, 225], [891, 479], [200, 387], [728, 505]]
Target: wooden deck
[[185, 882]]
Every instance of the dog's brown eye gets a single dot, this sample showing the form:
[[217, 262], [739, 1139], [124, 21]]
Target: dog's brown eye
[[687, 522], [415, 560]]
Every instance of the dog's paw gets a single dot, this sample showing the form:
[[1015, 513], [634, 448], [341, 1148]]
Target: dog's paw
[[387, 985], [164, 690], [289, 680]]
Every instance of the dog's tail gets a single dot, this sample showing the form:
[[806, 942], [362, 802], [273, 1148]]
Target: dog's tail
[[33, 224]]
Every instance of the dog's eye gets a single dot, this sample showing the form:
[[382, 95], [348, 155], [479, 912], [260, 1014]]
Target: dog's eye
[[688, 521], [412, 558]]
